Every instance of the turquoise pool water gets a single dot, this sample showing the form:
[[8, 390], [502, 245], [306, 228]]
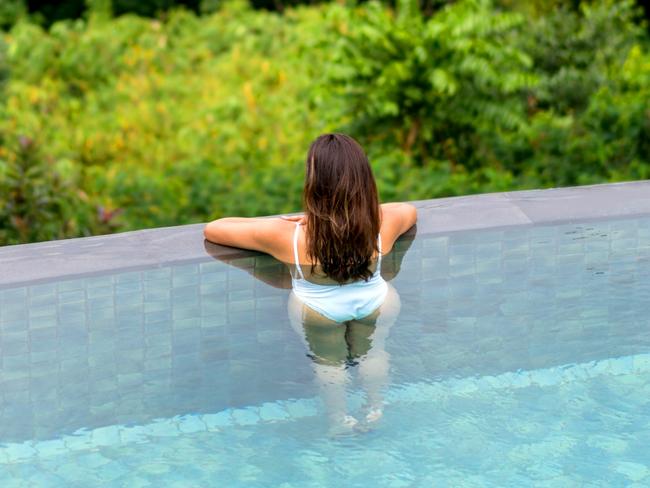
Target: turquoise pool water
[[520, 357]]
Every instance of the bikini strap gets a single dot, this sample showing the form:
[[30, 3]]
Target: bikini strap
[[295, 250]]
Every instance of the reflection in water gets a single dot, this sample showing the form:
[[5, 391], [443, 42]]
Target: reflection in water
[[337, 347]]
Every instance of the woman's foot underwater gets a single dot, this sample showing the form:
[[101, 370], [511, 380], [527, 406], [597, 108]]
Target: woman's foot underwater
[[345, 424], [348, 425], [371, 418], [374, 414]]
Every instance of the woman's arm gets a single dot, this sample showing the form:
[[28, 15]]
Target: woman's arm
[[257, 233], [272, 235]]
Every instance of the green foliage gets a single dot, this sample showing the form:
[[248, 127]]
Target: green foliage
[[573, 51], [126, 123], [151, 8], [538, 8], [588, 114], [427, 96], [607, 141], [98, 10], [172, 122], [10, 12], [433, 86], [46, 12], [474, 99], [4, 68], [39, 197]]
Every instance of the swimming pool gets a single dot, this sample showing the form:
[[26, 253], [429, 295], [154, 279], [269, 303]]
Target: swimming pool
[[520, 356]]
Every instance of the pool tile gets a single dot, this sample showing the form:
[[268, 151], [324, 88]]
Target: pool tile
[[100, 281]]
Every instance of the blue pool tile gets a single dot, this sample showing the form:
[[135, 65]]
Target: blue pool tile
[[100, 302], [99, 290], [42, 301], [45, 289], [43, 322], [157, 285], [187, 292], [13, 295], [189, 424], [99, 281], [13, 343], [70, 285], [270, 412], [213, 307], [156, 306], [13, 313], [183, 280], [162, 317], [212, 289], [241, 295], [19, 452], [128, 277], [162, 429], [101, 317], [157, 274], [51, 447], [123, 301], [246, 416], [241, 306], [185, 270], [185, 312], [71, 308], [156, 295], [102, 436], [239, 280], [10, 326], [71, 296], [188, 323], [211, 267], [217, 421]]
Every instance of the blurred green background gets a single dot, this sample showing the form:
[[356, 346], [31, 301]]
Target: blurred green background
[[127, 114]]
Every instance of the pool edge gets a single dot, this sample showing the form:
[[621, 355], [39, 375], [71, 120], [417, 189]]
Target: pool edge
[[132, 250]]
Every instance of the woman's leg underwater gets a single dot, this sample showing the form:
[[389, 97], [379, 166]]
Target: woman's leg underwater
[[375, 363], [325, 340]]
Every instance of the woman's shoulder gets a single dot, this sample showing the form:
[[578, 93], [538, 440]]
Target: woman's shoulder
[[277, 234]]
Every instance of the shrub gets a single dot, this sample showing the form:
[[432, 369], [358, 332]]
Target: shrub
[[40, 198], [126, 123]]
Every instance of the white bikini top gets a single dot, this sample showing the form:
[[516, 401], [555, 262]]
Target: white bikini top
[[340, 302]]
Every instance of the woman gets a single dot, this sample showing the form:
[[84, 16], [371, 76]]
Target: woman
[[335, 251]]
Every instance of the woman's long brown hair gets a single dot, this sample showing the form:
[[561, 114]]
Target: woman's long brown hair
[[341, 207]]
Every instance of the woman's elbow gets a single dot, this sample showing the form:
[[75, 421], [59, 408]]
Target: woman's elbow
[[413, 213], [211, 231], [410, 215]]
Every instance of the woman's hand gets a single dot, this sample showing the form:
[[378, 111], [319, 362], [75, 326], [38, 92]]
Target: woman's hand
[[295, 218]]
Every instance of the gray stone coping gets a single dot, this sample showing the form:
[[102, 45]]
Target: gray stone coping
[[45, 261]]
